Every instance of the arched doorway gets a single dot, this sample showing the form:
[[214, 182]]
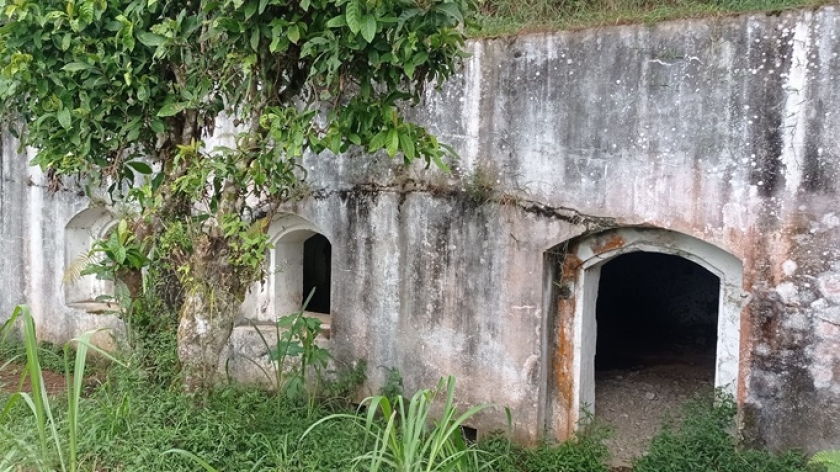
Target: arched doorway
[[575, 270], [655, 347]]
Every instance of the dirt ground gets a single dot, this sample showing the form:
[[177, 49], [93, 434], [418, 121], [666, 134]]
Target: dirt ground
[[634, 400], [10, 380]]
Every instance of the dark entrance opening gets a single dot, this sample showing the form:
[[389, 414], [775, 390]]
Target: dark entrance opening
[[657, 318], [317, 272], [654, 308]]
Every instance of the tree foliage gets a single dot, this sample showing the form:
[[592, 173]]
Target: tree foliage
[[124, 93]]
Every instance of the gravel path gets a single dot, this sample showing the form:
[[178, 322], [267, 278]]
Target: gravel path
[[634, 401]]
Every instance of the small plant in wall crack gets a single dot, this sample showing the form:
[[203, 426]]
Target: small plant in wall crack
[[480, 185], [393, 386]]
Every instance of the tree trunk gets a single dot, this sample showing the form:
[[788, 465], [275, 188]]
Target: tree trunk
[[206, 322], [214, 293]]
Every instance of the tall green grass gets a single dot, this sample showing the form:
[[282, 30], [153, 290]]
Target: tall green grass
[[405, 441], [52, 449]]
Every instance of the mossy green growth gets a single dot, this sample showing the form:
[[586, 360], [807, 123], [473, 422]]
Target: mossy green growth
[[510, 17]]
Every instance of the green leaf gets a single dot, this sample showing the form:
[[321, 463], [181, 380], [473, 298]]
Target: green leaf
[[293, 34], [452, 10], [157, 126], [407, 146], [392, 142], [76, 66], [63, 116], [378, 141], [305, 4], [354, 16], [171, 109], [255, 39], [65, 42], [250, 9], [150, 39], [140, 167], [369, 27], [337, 22]]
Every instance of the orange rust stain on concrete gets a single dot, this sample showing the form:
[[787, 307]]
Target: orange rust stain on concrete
[[571, 263], [564, 367], [608, 243], [563, 354]]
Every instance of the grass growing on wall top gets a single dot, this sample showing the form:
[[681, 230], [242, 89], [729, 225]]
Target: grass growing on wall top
[[505, 17]]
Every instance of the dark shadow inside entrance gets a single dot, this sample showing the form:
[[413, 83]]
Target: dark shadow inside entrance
[[654, 308], [317, 271], [655, 346]]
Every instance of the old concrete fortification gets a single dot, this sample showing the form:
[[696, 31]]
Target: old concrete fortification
[[713, 140]]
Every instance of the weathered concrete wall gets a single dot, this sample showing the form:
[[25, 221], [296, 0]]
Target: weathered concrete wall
[[32, 250], [725, 130]]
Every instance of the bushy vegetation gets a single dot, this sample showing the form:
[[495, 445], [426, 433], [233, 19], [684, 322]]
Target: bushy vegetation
[[502, 17], [703, 442], [585, 453], [134, 421]]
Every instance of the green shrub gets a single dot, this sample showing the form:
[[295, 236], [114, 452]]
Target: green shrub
[[703, 442], [586, 452]]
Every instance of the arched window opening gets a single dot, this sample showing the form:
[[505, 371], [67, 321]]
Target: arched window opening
[[317, 257], [299, 261], [82, 231]]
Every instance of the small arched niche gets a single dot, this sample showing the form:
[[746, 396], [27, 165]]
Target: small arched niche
[[81, 232], [574, 272]]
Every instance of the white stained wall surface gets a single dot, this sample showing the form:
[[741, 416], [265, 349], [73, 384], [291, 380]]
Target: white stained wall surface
[[723, 130]]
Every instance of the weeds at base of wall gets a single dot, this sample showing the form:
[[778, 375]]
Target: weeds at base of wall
[[406, 439], [128, 422], [703, 441]]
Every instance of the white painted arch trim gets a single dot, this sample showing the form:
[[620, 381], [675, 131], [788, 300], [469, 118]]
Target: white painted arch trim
[[714, 259]]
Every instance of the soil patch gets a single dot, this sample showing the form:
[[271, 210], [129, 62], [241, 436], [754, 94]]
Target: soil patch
[[634, 401], [10, 380]]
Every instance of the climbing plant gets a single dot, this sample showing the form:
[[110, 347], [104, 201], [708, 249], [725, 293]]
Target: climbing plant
[[123, 94]]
